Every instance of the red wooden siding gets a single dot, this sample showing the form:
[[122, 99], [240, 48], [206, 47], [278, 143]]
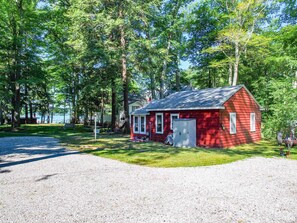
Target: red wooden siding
[[242, 104], [207, 126]]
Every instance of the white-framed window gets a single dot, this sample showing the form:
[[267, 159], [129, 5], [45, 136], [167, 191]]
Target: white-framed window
[[136, 124], [253, 122], [142, 124], [232, 123], [159, 123], [172, 117]]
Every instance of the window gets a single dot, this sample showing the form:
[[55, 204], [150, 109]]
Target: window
[[142, 124], [159, 123], [172, 117], [253, 122], [232, 123], [136, 124]]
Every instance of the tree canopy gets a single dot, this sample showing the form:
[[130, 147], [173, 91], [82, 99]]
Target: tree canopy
[[90, 56]]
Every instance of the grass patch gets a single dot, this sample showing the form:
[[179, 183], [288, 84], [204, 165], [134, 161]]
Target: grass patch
[[152, 154]]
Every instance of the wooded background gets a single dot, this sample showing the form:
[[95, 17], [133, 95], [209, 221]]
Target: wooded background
[[91, 54]]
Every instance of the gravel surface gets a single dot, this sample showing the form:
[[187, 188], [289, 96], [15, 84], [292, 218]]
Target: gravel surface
[[42, 182]]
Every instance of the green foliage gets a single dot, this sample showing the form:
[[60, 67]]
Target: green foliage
[[283, 107], [69, 53]]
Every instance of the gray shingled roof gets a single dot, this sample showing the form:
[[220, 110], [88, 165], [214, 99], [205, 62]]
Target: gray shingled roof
[[141, 111], [211, 98]]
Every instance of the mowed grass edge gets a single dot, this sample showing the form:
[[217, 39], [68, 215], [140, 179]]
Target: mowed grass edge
[[119, 147]]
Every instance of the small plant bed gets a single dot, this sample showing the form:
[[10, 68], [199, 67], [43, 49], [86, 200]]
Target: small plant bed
[[120, 147]]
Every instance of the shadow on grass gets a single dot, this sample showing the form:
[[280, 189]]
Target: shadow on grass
[[128, 148], [152, 154], [149, 153], [54, 130]]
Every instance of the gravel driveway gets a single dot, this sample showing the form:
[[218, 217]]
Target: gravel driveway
[[42, 182]]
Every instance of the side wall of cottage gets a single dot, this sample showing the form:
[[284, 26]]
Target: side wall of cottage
[[243, 105]]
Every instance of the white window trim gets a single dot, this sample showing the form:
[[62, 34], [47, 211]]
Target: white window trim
[[231, 114], [162, 123], [171, 120], [144, 117], [253, 122], [134, 124]]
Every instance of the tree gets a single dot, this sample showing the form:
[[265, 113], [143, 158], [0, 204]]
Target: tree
[[233, 40], [20, 24]]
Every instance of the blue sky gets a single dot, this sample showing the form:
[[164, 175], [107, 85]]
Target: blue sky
[[184, 65]]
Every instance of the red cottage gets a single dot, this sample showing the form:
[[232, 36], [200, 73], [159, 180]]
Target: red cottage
[[224, 117]]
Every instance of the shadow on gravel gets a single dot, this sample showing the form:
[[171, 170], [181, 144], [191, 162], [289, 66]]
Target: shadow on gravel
[[13, 163], [45, 177], [5, 171], [27, 146]]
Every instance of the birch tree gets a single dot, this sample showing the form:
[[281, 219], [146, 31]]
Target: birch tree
[[242, 18]]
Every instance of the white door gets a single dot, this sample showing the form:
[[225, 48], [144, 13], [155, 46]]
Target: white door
[[184, 132]]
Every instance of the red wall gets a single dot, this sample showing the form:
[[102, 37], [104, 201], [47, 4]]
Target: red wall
[[243, 104], [207, 126]]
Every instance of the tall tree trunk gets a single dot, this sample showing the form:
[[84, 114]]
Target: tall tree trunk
[[236, 63], [52, 113], [164, 71], [31, 111], [91, 118], [16, 71], [153, 85], [1, 113], [125, 78], [152, 80], [73, 101], [26, 106], [64, 111], [86, 116], [102, 109], [209, 79], [230, 74], [15, 118], [113, 105], [150, 71], [177, 79], [77, 113], [74, 96]]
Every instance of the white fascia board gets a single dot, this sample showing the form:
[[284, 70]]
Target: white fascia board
[[182, 109], [141, 113]]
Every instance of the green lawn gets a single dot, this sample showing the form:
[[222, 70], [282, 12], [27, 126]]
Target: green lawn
[[153, 154]]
